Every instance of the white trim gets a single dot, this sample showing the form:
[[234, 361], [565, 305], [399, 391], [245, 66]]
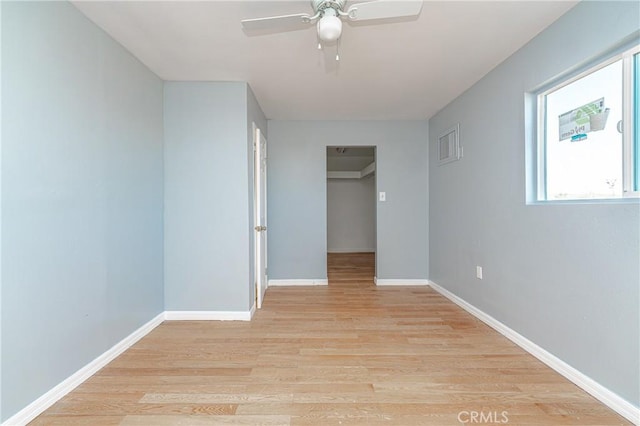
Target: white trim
[[628, 120], [207, 315], [273, 283], [252, 311], [347, 250], [604, 395], [394, 282], [38, 406], [626, 56], [607, 397]]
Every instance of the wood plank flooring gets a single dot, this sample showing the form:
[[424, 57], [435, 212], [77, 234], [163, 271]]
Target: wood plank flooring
[[344, 354]]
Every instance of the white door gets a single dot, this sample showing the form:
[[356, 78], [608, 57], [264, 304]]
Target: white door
[[260, 214]]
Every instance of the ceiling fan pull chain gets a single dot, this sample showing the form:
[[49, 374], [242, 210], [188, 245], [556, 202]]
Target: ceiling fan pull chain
[[338, 50]]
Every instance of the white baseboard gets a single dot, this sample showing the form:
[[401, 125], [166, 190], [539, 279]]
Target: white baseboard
[[360, 250], [36, 408], [274, 283], [392, 282], [606, 396], [208, 315], [609, 398], [252, 311]]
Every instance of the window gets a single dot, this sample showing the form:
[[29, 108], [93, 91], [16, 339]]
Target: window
[[588, 138]]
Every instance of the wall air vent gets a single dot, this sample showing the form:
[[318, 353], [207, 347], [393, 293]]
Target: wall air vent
[[449, 146]]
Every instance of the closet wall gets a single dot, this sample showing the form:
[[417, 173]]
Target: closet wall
[[351, 215]]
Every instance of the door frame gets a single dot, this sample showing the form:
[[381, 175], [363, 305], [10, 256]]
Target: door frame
[[260, 214], [376, 202]]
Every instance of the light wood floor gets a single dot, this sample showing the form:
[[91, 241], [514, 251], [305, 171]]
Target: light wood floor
[[347, 353]]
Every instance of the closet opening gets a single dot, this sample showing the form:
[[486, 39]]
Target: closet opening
[[351, 215]]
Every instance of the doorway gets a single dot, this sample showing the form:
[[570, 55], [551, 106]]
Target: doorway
[[351, 214]]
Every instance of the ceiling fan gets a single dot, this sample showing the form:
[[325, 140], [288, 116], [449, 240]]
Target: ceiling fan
[[330, 13]]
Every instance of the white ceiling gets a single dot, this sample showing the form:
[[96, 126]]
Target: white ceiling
[[399, 70]]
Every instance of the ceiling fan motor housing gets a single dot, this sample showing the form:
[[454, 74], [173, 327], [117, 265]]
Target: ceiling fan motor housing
[[322, 5]]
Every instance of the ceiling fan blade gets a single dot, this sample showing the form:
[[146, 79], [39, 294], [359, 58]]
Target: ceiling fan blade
[[381, 9], [272, 22]]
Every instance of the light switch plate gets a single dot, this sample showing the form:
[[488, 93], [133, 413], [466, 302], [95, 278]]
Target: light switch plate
[[383, 196]]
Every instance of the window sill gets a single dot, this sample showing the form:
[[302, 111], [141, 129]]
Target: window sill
[[635, 199]]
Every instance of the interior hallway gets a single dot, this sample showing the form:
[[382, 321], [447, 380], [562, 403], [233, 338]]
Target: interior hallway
[[347, 353]]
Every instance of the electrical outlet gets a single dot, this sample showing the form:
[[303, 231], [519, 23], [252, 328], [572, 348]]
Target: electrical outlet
[[479, 272]]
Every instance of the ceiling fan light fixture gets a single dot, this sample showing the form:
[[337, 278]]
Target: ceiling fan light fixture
[[328, 15], [329, 28]]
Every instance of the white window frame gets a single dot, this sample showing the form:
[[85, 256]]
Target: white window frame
[[627, 57]]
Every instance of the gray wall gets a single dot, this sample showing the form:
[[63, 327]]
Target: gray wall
[[208, 192], [351, 215], [297, 197], [81, 196], [564, 276]]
